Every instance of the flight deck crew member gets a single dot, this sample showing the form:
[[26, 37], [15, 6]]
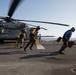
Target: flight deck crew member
[[39, 37], [21, 38], [66, 38], [33, 36]]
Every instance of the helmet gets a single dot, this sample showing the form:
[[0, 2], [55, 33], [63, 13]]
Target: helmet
[[22, 31], [38, 27], [73, 29]]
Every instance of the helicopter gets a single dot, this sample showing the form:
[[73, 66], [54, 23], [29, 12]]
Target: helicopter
[[10, 27]]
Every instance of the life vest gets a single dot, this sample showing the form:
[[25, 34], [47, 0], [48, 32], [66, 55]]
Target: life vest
[[33, 33], [20, 35]]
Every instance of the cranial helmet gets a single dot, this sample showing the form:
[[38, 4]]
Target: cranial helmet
[[22, 31], [38, 27], [73, 29]]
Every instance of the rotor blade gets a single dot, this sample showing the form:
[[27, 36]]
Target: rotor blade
[[13, 7], [46, 36], [45, 22], [36, 26], [43, 28]]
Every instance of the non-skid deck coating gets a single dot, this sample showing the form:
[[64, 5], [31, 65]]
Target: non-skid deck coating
[[14, 61]]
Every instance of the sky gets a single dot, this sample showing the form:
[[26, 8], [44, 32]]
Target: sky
[[60, 11]]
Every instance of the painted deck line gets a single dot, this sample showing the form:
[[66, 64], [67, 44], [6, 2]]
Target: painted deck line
[[39, 46]]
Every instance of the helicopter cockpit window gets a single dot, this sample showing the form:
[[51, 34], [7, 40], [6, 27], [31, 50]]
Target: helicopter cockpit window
[[1, 25], [1, 30]]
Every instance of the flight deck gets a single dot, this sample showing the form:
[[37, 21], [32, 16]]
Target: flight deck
[[42, 60]]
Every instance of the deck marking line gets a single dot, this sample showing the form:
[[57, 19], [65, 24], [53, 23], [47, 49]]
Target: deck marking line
[[39, 46]]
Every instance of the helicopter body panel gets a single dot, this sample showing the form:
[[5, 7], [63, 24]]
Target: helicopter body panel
[[10, 31]]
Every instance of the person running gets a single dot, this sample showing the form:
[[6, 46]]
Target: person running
[[21, 38], [33, 36], [66, 37]]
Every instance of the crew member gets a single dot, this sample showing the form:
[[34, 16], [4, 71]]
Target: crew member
[[66, 38], [33, 36], [21, 38]]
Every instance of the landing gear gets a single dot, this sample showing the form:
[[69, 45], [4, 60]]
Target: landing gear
[[1, 41]]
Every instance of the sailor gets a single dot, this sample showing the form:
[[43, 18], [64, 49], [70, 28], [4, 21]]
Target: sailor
[[66, 37], [33, 36], [21, 38]]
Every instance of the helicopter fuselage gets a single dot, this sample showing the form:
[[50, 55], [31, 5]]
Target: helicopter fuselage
[[10, 30]]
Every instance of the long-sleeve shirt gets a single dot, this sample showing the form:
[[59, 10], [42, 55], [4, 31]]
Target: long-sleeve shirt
[[67, 34]]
